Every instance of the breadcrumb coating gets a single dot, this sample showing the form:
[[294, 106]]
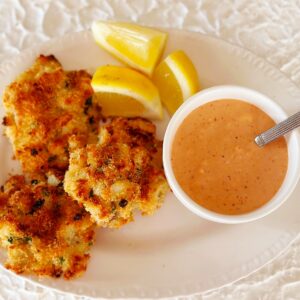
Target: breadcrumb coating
[[44, 231], [45, 106], [77, 174], [119, 174]]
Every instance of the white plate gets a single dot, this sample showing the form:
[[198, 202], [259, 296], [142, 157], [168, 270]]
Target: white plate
[[174, 252]]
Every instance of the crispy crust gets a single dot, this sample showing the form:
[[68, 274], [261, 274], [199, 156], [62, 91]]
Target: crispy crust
[[44, 231], [52, 122], [45, 106], [121, 173]]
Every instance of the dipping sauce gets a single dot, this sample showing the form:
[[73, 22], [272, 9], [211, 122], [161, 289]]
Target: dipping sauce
[[217, 163]]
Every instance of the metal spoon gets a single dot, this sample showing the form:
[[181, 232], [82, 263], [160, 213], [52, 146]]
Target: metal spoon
[[278, 130]]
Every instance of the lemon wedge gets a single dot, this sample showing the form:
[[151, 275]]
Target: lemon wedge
[[137, 46], [176, 79], [122, 91]]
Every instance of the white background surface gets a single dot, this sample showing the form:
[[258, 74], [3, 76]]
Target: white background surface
[[268, 28]]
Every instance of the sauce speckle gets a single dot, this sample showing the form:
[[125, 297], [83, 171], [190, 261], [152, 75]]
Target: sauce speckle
[[217, 163]]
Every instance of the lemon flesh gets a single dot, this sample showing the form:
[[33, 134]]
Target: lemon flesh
[[121, 91], [176, 79], [137, 46]]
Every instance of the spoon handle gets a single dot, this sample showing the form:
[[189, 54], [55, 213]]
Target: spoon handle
[[278, 130]]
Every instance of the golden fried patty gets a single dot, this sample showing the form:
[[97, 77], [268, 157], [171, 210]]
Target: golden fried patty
[[44, 231], [119, 174], [44, 107]]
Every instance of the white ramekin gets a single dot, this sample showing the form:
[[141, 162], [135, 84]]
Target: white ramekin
[[265, 104]]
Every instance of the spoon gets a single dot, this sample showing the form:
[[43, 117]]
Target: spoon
[[278, 130]]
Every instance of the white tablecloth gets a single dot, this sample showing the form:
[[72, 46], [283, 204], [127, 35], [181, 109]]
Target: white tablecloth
[[270, 29]]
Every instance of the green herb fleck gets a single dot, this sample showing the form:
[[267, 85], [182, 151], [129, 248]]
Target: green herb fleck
[[100, 169], [139, 172], [5, 121], [123, 203], [107, 161], [45, 192], [37, 205], [113, 206], [60, 185], [10, 239], [27, 239], [34, 152], [61, 260], [77, 217], [52, 158], [67, 84], [91, 120], [89, 101]]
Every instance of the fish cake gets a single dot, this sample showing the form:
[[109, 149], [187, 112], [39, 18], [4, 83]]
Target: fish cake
[[44, 231], [45, 106], [121, 173]]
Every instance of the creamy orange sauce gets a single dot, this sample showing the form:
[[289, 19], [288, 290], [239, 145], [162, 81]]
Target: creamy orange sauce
[[217, 163]]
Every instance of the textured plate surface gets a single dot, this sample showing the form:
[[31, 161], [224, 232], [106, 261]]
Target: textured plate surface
[[174, 252]]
